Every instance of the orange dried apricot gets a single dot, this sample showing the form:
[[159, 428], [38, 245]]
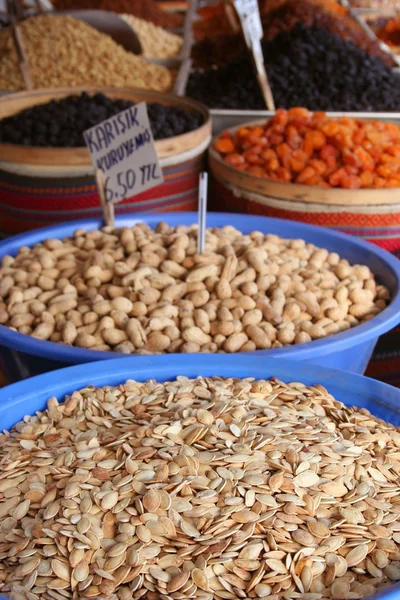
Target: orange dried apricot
[[293, 138], [224, 146], [235, 159], [268, 154], [273, 165], [318, 165], [335, 179], [367, 179], [254, 159], [314, 149], [281, 116], [351, 182], [305, 174], [284, 174], [257, 171]]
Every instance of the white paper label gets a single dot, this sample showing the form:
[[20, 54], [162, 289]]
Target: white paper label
[[249, 15], [123, 148]]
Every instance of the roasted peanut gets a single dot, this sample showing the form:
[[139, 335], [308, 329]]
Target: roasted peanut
[[144, 291]]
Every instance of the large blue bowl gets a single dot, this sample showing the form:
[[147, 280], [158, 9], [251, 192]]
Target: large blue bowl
[[22, 356], [26, 397], [29, 396]]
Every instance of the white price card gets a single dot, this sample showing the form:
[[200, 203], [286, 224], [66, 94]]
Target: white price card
[[122, 147], [249, 15]]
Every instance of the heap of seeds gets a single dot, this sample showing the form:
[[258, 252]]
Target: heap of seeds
[[205, 489], [138, 290], [155, 41]]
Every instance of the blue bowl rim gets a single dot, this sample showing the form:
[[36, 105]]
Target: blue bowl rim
[[365, 333], [156, 367], [143, 368]]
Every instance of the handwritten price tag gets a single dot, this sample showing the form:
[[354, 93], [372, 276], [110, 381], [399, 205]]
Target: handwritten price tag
[[249, 15], [122, 147]]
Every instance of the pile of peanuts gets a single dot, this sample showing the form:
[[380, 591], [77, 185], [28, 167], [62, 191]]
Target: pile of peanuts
[[66, 52], [155, 41], [138, 290]]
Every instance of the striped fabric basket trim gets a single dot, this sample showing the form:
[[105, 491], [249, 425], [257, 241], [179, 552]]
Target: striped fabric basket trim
[[34, 201], [61, 206]]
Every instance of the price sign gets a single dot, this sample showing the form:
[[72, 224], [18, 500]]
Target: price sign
[[249, 15], [122, 147]]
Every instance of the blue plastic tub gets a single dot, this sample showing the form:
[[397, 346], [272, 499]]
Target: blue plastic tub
[[22, 356], [26, 397]]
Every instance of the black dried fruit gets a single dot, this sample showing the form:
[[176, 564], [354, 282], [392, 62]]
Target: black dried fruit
[[61, 123], [307, 66]]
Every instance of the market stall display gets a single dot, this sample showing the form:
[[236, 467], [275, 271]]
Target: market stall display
[[160, 285], [45, 184], [63, 51], [155, 41]]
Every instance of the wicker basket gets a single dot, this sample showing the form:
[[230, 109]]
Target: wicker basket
[[379, 224], [42, 186]]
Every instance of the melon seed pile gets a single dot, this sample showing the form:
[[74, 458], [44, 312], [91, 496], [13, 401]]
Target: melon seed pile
[[138, 290], [209, 489]]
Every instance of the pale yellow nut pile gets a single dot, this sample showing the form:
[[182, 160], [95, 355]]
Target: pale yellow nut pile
[[155, 41], [138, 290], [205, 489], [66, 52]]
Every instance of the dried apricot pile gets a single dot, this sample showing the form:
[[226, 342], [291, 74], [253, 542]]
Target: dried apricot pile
[[313, 149]]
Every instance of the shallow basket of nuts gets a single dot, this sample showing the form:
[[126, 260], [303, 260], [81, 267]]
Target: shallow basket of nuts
[[246, 478], [74, 293]]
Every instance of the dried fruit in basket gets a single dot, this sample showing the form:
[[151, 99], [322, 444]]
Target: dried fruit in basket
[[307, 66], [298, 146], [61, 123], [315, 14], [220, 49], [144, 9]]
